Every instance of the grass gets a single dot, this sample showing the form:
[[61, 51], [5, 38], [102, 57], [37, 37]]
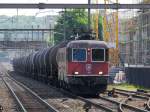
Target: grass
[[126, 86]]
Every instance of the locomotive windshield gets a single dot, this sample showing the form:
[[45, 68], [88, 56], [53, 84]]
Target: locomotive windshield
[[78, 55], [98, 54]]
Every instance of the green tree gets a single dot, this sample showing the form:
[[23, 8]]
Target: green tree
[[74, 20]]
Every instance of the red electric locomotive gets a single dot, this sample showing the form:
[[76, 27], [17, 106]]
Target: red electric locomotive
[[83, 65], [79, 65]]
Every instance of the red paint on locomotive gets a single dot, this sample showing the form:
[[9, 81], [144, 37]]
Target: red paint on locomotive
[[81, 68]]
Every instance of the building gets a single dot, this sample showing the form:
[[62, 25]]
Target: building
[[135, 39]]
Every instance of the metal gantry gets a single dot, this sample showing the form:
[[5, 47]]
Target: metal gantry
[[71, 6]]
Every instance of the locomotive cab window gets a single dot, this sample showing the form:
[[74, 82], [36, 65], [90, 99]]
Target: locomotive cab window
[[79, 55], [98, 55]]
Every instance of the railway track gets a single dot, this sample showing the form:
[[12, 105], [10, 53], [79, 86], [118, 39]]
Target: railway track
[[65, 101], [114, 106], [123, 106], [7, 102], [91, 104], [138, 92], [27, 100], [138, 95]]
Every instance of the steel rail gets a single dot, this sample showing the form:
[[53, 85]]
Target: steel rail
[[74, 96], [51, 108], [134, 94], [71, 6], [148, 105], [124, 105], [96, 104], [99, 105], [85, 100], [15, 96], [123, 102], [103, 107]]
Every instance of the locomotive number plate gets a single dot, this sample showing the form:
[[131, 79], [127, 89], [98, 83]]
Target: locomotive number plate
[[88, 68]]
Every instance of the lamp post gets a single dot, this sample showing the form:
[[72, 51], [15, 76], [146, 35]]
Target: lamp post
[[65, 25], [89, 15]]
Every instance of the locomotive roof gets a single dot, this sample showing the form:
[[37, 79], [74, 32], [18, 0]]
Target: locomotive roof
[[87, 43]]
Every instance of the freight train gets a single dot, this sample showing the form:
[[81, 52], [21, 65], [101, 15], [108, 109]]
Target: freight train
[[80, 66]]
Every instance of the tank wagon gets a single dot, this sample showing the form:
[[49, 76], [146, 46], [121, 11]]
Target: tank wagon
[[80, 66]]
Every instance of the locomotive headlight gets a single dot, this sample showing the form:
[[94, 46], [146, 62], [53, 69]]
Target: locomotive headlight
[[76, 73], [100, 73]]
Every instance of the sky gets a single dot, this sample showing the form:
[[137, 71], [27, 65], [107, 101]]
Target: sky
[[37, 12]]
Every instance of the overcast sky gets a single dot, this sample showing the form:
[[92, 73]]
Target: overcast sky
[[12, 12]]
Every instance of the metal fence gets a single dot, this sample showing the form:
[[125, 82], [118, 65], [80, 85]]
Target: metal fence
[[139, 76]]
